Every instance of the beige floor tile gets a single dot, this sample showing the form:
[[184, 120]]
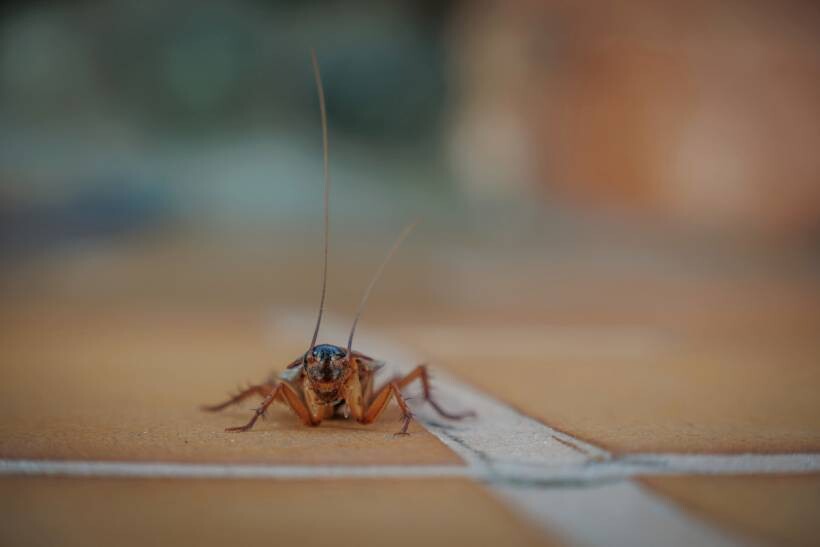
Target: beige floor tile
[[123, 386], [642, 393], [49, 511], [778, 510], [106, 354]]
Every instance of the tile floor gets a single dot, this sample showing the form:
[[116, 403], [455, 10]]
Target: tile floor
[[605, 408]]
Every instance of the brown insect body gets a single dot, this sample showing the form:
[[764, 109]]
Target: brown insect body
[[328, 379], [330, 382]]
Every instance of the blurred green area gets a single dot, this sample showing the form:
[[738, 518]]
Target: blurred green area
[[118, 116]]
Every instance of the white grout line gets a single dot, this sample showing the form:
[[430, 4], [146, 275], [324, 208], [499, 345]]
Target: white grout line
[[657, 464], [499, 472], [71, 468], [621, 514]]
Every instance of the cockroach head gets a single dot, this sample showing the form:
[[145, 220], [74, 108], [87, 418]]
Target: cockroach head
[[326, 365]]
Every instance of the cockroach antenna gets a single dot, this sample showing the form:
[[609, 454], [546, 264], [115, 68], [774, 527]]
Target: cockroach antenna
[[323, 112], [402, 236], [320, 91], [327, 381]]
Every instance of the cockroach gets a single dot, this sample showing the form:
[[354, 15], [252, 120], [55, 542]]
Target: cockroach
[[330, 380]]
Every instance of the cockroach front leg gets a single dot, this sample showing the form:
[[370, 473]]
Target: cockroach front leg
[[285, 392], [263, 390], [420, 373], [379, 403]]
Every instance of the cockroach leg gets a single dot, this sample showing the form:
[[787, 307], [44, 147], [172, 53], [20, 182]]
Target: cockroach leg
[[286, 393], [262, 390], [379, 403], [420, 373]]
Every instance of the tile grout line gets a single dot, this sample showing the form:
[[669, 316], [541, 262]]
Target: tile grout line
[[503, 472], [82, 468]]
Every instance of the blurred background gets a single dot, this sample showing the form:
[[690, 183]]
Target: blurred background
[[644, 163]]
